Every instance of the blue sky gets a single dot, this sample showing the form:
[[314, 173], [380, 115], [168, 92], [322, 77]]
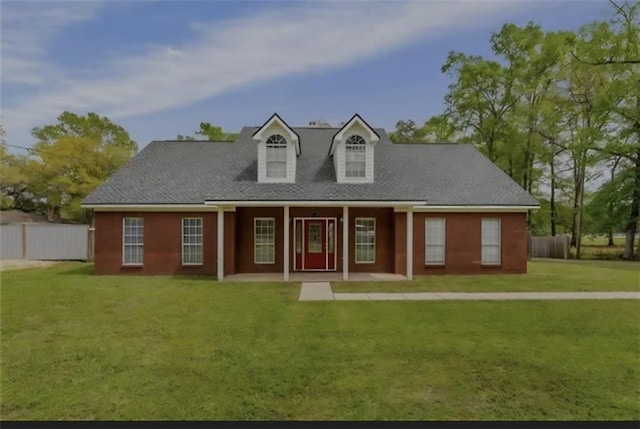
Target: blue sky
[[159, 68]]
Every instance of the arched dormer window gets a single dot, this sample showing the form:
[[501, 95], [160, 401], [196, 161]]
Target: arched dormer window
[[355, 157], [276, 157]]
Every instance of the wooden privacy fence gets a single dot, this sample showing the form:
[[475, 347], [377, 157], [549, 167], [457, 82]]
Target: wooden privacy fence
[[46, 241], [549, 247]]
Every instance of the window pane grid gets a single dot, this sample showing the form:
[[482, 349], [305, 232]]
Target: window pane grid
[[365, 245], [491, 237], [192, 253], [264, 241], [276, 156], [435, 241], [355, 157], [133, 241]]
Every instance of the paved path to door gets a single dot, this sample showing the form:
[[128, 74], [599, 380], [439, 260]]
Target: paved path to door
[[321, 291]]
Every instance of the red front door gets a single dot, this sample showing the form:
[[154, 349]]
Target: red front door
[[315, 244], [315, 239]]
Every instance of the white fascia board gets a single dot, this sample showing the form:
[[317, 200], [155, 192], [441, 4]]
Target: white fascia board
[[315, 203], [275, 118], [472, 209], [150, 207], [373, 137]]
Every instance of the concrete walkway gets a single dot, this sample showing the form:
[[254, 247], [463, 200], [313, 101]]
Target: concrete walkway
[[316, 291], [321, 291]]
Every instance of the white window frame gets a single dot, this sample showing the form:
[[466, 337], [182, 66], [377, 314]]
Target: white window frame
[[355, 150], [492, 243], [137, 244], [356, 244], [430, 243], [193, 245], [273, 154], [255, 240]]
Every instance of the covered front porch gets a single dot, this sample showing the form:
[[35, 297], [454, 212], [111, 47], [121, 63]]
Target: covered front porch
[[314, 241]]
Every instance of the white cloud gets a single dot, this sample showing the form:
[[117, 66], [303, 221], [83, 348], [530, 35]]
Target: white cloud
[[297, 38], [28, 30]]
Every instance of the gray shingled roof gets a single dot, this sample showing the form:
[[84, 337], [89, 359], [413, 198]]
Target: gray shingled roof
[[191, 172]]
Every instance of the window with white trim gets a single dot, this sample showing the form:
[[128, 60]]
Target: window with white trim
[[192, 241], [434, 238], [491, 238], [132, 240], [276, 157], [264, 240], [365, 240], [355, 157]]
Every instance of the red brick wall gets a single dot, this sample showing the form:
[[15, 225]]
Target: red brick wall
[[463, 243], [400, 227], [385, 240], [244, 260], [162, 243]]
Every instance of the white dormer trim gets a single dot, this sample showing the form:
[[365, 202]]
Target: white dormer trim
[[356, 126], [275, 119], [277, 126], [340, 136]]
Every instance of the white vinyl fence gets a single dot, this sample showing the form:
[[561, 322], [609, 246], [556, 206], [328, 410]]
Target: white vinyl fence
[[46, 242]]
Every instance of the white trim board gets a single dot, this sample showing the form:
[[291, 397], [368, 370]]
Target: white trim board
[[314, 203], [211, 206], [151, 207], [471, 209]]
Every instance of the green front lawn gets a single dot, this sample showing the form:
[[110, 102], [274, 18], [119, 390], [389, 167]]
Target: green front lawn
[[79, 346], [542, 276], [596, 248]]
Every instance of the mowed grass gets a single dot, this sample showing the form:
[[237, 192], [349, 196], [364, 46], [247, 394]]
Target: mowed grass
[[597, 248], [542, 276], [79, 346]]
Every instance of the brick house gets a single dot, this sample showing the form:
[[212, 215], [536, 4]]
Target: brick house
[[282, 199]]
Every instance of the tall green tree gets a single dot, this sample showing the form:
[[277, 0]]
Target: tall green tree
[[15, 192], [608, 208], [210, 132], [74, 156], [479, 101], [405, 132], [439, 129], [613, 48]]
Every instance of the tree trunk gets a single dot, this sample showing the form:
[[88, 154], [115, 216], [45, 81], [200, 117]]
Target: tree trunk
[[53, 214], [579, 204], [574, 215], [632, 223], [610, 206], [552, 201]]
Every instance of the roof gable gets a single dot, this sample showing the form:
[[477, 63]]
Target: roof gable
[[354, 121], [276, 119]]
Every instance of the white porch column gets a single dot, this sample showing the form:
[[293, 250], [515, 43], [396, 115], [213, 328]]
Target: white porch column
[[286, 243], [410, 243], [345, 243], [220, 235]]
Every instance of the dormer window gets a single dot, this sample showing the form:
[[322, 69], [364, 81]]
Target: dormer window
[[276, 157], [352, 150], [355, 157], [278, 148]]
